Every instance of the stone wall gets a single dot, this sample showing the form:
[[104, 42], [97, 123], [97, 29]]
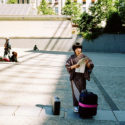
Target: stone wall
[[35, 27]]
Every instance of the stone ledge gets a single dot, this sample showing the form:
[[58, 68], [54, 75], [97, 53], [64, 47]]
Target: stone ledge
[[36, 37], [35, 18]]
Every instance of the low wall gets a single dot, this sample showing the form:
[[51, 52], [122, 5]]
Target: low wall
[[35, 27], [106, 43]]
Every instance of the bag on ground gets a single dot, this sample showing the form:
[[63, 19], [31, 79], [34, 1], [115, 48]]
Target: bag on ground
[[88, 102]]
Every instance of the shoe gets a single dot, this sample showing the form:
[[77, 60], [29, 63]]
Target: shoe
[[75, 109]]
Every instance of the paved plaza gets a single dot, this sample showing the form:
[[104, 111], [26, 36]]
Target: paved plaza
[[27, 88]]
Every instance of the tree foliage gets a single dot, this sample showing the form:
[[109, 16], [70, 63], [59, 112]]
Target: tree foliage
[[90, 24], [121, 9], [115, 18], [44, 9], [114, 23], [72, 9], [11, 1]]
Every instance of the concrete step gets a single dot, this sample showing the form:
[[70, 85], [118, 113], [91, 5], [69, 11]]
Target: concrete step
[[44, 111]]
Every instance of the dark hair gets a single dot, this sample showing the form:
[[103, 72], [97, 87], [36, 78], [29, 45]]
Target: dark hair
[[76, 45], [14, 53]]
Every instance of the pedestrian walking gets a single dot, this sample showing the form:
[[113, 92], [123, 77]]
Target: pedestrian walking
[[7, 48], [78, 78]]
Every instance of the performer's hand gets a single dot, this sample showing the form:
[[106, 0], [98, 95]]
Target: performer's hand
[[86, 61], [75, 66], [90, 65]]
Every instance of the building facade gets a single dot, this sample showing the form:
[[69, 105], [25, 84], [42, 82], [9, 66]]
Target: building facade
[[57, 5]]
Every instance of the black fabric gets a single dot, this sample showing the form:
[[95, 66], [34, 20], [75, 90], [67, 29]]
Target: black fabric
[[76, 45], [13, 58], [88, 98]]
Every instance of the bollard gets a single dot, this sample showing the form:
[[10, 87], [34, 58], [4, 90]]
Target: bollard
[[56, 105]]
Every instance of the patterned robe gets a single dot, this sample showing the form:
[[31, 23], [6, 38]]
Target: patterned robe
[[78, 80]]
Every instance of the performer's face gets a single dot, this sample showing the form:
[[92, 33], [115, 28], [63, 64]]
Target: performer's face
[[78, 51]]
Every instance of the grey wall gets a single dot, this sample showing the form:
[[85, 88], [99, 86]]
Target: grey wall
[[106, 43]]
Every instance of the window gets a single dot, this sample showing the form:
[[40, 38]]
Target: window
[[25, 1], [49, 1], [84, 1], [84, 9], [93, 1], [56, 1], [22, 1], [56, 10]]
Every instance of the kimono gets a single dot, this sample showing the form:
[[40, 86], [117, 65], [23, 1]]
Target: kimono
[[77, 79]]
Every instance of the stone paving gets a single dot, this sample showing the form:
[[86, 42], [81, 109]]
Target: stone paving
[[27, 87]]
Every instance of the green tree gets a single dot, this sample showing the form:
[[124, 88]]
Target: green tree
[[114, 23], [45, 9], [121, 10], [11, 1], [72, 9], [115, 18], [102, 9], [90, 24], [66, 10]]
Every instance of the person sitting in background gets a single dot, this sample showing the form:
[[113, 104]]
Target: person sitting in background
[[35, 48], [13, 58]]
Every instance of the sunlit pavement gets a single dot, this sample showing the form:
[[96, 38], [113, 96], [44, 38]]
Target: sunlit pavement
[[27, 87]]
